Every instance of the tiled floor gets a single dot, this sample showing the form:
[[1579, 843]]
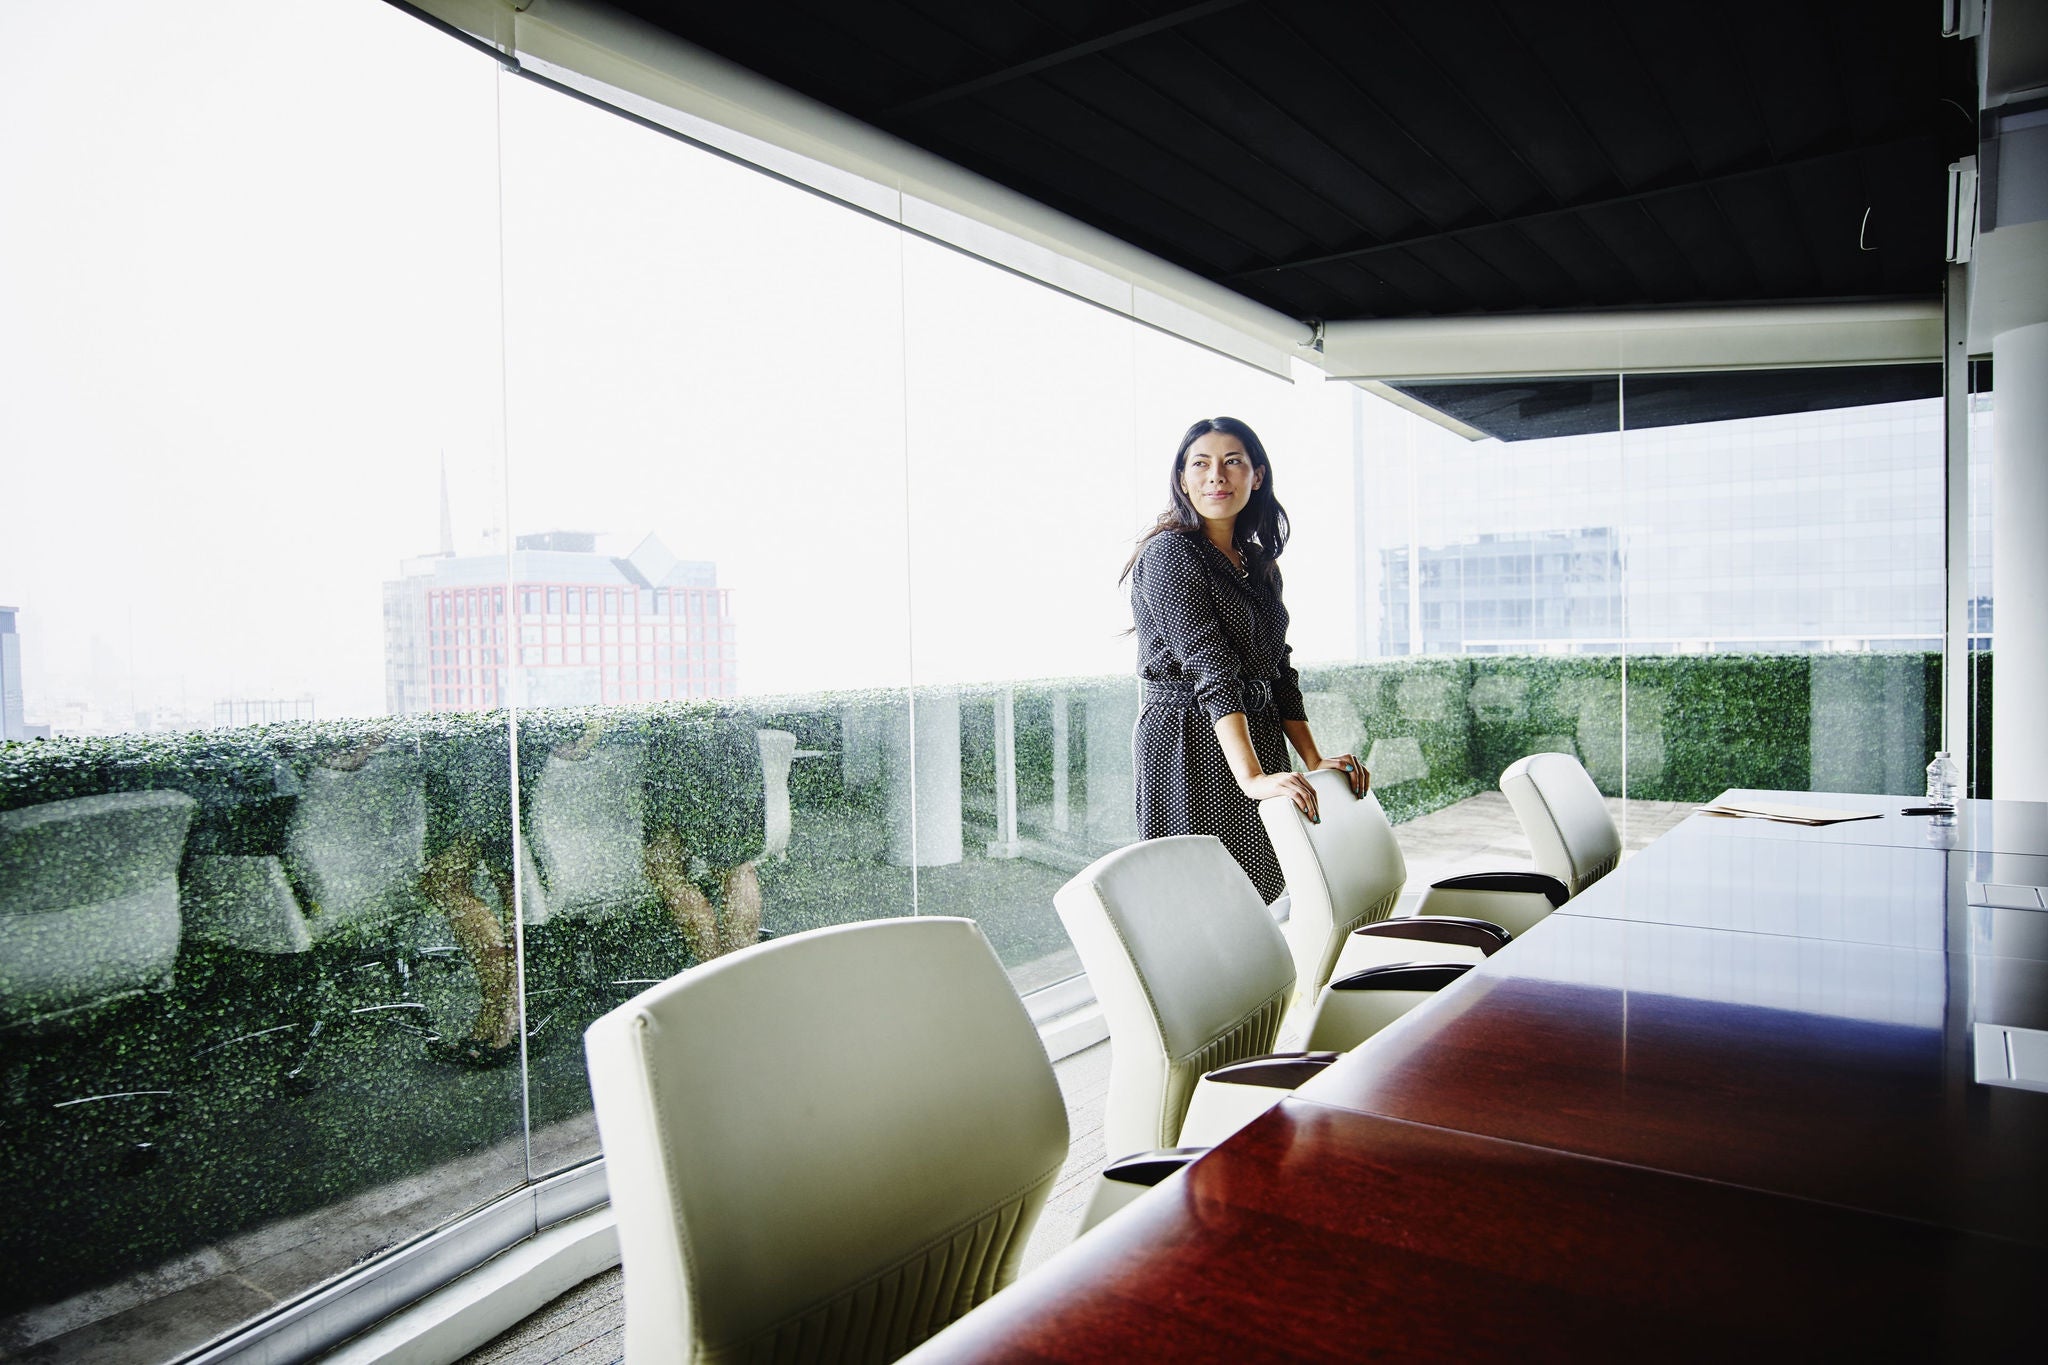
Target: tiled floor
[[586, 1326]]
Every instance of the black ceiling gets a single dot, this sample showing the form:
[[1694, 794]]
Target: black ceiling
[[1349, 159]]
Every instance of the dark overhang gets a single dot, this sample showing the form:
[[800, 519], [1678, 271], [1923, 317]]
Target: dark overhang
[[1343, 159]]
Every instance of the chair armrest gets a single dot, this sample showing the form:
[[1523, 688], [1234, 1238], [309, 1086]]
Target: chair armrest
[[1403, 976], [1488, 937], [1516, 901], [1229, 1097], [1277, 1070], [1549, 887], [1149, 1168], [1126, 1180]]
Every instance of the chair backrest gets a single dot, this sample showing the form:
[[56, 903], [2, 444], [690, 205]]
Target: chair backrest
[[88, 902], [1343, 871], [1191, 971], [586, 829], [828, 1146], [1562, 813], [356, 844]]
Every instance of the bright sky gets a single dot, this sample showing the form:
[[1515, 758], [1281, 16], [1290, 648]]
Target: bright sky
[[264, 264], [250, 296]]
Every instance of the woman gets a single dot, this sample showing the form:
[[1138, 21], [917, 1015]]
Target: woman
[[1221, 697]]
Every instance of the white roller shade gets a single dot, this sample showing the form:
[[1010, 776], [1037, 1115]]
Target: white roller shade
[[1664, 340]]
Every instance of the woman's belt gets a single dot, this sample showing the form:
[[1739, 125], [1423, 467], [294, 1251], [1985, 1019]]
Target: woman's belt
[[1258, 693]]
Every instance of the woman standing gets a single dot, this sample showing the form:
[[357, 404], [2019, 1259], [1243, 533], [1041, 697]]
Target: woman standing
[[1221, 698]]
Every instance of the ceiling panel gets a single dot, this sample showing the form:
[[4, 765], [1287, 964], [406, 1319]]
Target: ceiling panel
[[1350, 159]]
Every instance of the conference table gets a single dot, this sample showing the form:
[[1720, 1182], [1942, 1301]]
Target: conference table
[[1752, 1092]]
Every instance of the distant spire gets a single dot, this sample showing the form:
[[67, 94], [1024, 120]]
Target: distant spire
[[447, 517]]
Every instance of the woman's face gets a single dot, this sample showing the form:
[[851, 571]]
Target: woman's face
[[1218, 477]]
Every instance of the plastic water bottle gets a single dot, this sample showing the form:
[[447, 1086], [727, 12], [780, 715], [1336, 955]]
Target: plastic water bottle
[[1944, 785]]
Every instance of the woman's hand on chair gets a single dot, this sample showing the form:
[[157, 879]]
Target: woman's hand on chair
[[1351, 768], [1293, 786]]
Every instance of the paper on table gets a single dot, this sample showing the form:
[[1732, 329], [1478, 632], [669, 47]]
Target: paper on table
[[1791, 815]]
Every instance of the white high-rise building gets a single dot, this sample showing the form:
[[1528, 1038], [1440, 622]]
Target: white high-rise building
[[12, 726]]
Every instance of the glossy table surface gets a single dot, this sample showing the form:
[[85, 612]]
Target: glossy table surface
[[1319, 1234], [1724, 1100], [1985, 826]]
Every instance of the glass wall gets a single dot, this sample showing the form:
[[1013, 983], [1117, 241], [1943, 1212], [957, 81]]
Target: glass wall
[[480, 555], [705, 452], [249, 330], [1689, 582]]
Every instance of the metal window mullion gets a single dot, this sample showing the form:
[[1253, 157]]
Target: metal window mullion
[[1955, 395]]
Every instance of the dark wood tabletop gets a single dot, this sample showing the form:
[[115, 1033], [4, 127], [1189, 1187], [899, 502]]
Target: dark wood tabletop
[[1829, 1071], [1723, 1102], [1326, 1234]]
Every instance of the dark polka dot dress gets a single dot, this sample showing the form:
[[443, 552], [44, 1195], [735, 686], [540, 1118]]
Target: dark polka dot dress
[[1211, 640]]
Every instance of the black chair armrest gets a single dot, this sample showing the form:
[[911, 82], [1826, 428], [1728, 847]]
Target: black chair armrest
[[1488, 937], [1550, 887], [1403, 976], [1149, 1168], [1279, 1070]]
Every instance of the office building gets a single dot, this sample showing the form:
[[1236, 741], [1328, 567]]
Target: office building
[[12, 726], [1786, 535], [561, 625], [1503, 594]]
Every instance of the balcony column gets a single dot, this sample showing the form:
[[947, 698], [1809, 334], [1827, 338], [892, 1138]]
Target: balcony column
[[2019, 564], [1112, 792], [923, 760], [1006, 844], [1062, 778]]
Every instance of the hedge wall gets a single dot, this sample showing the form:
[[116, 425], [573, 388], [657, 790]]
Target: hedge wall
[[1695, 724], [1447, 726]]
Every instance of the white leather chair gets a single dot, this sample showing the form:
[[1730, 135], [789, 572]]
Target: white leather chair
[[1562, 813], [1361, 966], [1343, 872], [1193, 975], [824, 1147]]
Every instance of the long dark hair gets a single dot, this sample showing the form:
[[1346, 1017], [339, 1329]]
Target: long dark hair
[[1261, 530]]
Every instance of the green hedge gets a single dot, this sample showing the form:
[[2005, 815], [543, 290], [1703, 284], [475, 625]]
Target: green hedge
[[1695, 724], [1426, 700]]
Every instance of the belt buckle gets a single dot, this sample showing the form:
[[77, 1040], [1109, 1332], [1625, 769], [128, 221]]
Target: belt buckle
[[1258, 694]]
